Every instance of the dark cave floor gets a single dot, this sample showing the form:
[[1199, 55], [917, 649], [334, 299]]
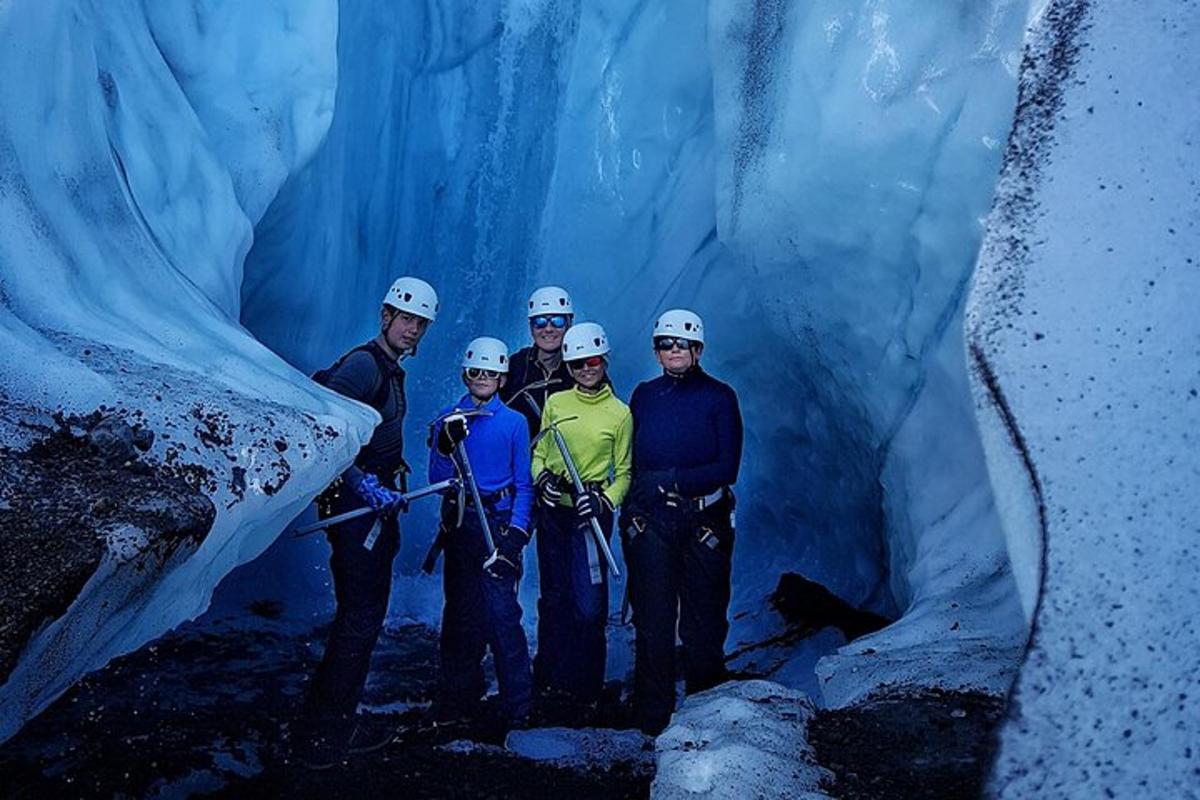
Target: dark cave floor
[[206, 711]]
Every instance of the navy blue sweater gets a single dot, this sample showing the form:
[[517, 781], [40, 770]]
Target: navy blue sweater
[[692, 425]]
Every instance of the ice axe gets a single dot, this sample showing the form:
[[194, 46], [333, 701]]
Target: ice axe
[[463, 465], [424, 491], [529, 388], [577, 482]]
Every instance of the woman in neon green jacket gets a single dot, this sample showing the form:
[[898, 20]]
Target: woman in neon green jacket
[[573, 603]]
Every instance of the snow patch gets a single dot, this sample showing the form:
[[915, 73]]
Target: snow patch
[[741, 739], [582, 748]]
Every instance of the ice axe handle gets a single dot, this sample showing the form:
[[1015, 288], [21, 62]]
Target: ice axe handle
[[434, 488], [601, 542], [469, 479]]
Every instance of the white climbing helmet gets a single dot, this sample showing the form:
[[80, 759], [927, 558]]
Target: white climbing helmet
[[414, 296], [486, 353], [583, 341], [682, 323], [550, 300]]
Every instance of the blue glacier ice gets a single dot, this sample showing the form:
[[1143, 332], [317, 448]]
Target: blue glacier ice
[[548, 142], [206, 200]]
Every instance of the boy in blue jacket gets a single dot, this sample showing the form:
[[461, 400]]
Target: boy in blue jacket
[[481, 608]]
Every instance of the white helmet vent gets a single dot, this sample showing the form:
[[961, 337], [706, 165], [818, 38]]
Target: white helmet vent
[[550, 300], [413, 296], [486, 352]]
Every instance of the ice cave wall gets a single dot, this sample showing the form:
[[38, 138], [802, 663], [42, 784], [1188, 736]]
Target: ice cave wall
[[1085, 352], [139, 143], [811, 178], [641, 153]]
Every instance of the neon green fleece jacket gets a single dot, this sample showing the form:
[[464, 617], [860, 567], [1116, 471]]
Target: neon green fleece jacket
[[600, 440]]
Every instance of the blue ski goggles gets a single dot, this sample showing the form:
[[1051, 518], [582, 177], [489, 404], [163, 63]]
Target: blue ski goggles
[[542, 320]]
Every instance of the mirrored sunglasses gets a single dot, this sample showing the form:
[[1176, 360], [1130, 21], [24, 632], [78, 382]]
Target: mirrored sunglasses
[[557, 320], [590, 361], [665, 343], [475, 373]]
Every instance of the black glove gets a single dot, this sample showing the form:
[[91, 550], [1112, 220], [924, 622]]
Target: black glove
[[549, 488], [511, 542], [453, 430], [501, 568], [590, 504], [505, 562], [649, 483]]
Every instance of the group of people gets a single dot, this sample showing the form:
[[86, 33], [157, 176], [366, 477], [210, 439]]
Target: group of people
[[545, 451]]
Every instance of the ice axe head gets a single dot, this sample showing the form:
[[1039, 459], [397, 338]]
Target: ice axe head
[[551, 425], [529, 387], [465, 412]]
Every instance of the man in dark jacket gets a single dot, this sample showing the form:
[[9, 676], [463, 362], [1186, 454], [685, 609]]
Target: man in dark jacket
[[677, 524], [364, 548], [550, 314]]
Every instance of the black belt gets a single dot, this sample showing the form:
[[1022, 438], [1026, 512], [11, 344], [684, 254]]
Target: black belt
[[695, 503], [492, 498]]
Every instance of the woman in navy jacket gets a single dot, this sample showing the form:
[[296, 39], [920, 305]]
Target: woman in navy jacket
[[678, 527]]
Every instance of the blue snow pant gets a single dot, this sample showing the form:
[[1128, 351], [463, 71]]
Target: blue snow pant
[[680, 563], [572, 610], [480, 611], [362, 583]]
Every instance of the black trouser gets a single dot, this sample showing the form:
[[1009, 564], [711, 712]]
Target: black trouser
[[362, 583], [481, 611], [572, 611], [679, 573]]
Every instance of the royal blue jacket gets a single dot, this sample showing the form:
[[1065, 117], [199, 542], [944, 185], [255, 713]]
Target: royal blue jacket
[[498, 447], [690, 425]]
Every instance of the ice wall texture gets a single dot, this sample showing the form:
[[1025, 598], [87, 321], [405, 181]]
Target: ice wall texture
[[860, 147], [1084, 335], [139, 144], [810, 177]]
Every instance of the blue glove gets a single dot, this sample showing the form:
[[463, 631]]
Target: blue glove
[[375, 494]]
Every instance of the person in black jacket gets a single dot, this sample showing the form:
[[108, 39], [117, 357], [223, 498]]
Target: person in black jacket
[[550, 315], [677, 524], [363, 548]]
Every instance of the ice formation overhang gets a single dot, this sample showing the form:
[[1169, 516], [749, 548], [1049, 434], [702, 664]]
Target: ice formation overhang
[[1083, 334], [139, 143]]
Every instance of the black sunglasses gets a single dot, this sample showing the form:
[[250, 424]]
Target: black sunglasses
[[475, 373], [665, 343], [542, 320]]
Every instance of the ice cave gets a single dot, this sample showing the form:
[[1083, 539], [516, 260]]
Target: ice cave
[[946, 254]]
